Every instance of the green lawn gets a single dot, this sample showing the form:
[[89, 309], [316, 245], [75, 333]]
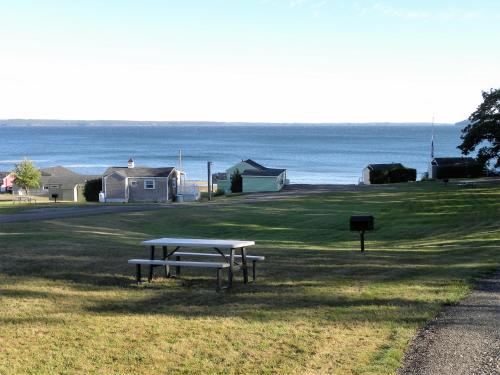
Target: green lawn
[[7, 206], [68, 302]]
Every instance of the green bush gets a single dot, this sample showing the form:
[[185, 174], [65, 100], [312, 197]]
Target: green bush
[[393, 175], [462, 170], [92, 190], [236, 182]]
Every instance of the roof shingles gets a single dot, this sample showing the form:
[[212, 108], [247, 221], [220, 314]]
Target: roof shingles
[[260, 170], [140, 171]]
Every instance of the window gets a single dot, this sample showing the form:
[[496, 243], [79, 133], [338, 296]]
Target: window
[[149, 184]]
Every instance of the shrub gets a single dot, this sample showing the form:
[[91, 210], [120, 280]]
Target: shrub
[[393, 175], [92, 190], [462, 170], [236, 182]]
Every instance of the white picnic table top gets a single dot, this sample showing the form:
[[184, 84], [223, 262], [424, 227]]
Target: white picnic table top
[[198, 242]]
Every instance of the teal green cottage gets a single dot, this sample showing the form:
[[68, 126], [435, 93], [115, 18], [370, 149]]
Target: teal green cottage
[[255, 178]]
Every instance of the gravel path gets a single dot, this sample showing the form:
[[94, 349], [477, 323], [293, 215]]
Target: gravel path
[[462, 339]]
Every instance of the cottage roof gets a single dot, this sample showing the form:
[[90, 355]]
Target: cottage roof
[[261, 170], [140, 171], [267, 172], [255, 164], [69, 182], [58, 171], [451, 161], [382, 167]]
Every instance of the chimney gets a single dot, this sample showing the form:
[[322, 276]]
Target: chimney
[[131, 163]]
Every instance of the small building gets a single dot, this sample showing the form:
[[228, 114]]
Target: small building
[[255, 177], [61, 182], [139, 184], [455, 167], [6, 181], [388, 173]]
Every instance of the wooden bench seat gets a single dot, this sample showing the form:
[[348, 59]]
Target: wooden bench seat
[[159, 262], [249, 257], [467, 184], [253, 258], [177, 263]]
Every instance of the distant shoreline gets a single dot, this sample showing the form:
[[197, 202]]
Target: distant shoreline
[[117, 123]]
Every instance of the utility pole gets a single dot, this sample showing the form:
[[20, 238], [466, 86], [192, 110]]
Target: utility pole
[[209, 180]]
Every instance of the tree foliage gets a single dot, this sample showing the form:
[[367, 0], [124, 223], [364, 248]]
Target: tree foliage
[[236, 182], [27, 175], [92, 190], [484, 130]]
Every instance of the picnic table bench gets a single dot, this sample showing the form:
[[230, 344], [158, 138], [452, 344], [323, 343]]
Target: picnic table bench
[[467, 184], [23, 198], [225, 250]]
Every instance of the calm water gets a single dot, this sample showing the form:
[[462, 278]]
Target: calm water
[[311, 153]]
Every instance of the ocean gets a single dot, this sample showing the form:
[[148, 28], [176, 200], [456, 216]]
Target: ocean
[[310, 153]]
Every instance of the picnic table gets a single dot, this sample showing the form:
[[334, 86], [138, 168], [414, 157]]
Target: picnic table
[[171, 246], [23, 198]]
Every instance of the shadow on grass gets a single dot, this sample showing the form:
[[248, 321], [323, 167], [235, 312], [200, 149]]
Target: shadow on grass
[[31, 320], [291, 284], [265, 305]]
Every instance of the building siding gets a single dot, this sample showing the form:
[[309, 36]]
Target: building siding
[[253, 184], [115, 187], [137, 193], [63, 194], [224, 186], [366, 176]]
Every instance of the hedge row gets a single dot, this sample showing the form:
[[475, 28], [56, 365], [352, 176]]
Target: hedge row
[[393, 175], [459, 171]]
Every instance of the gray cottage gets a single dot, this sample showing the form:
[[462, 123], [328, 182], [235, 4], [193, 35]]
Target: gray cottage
[[139, 184], [61, 182]]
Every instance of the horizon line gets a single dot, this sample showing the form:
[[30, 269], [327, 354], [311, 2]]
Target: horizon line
[[235, 122]]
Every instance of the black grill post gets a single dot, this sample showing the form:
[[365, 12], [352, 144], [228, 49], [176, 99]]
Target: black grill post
[[361, 223]]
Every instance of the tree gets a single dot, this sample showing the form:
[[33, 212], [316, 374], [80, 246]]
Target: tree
[[92, 190], [484, 130], [27, 175], [236, 182]]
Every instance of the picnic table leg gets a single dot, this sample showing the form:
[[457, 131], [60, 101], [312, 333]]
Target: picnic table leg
[[152, 248], [178, 269], [219, 286], [231, 269], [138, 273], [253, 269], [167, 267], [244, 264]]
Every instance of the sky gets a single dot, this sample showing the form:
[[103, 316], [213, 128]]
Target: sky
[[310, 61]]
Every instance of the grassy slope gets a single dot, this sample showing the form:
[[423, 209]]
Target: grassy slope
[[68, 302]]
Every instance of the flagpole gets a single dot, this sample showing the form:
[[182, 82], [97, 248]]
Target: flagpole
[[432, 140]]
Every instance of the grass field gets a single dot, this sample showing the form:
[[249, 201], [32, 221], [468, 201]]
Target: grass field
[[69, 303]]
